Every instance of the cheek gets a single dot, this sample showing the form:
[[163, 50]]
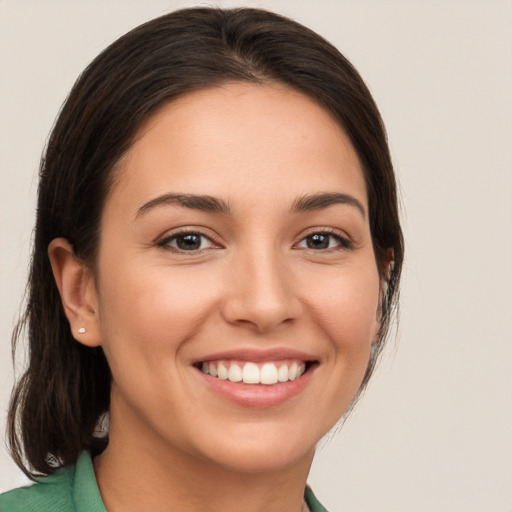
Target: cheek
[[148, 315], [150, 310], [345, 303], [345, 306]]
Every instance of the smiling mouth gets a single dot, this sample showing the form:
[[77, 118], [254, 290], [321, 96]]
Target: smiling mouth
[[268, 373]]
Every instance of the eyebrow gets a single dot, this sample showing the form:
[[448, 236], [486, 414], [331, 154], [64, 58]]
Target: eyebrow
[[210, 204], [204, 203], [312, 202]]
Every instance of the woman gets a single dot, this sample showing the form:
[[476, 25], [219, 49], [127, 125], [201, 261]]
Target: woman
[[217, 254]]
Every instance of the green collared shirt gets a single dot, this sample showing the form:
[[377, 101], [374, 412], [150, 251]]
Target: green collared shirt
[[74, 489]]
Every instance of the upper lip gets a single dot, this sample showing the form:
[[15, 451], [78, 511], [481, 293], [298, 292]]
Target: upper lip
[[257, 355]]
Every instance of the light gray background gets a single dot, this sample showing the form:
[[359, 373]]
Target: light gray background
[[434, 431]]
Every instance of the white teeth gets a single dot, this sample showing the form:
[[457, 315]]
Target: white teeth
[[282, 373], [222, 372], [268, 374], [252, 373], [235, 373], [292, 372], [213, 370]]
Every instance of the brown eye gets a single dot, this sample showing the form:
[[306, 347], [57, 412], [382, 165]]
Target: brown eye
[[318, 241], [187, 242], [190, 242], [322, 241]]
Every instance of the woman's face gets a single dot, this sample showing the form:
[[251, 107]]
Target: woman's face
[[235, 244]]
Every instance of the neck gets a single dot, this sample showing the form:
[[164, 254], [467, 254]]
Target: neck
[[141, 472]]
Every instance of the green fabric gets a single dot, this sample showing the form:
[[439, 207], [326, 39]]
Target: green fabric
[[313, 504], [74, 489], [71, 489]]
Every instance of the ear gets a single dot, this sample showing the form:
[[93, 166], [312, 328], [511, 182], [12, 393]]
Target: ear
[[77, 292], [386, 276], [389, 264]]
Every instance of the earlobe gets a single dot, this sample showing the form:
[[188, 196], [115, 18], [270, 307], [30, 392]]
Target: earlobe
[[386, 276], [389, 264], [77, 292]]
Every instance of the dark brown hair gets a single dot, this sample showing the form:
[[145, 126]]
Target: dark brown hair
[[56, 405]]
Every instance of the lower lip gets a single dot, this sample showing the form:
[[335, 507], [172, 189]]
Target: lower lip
[[257, 395]]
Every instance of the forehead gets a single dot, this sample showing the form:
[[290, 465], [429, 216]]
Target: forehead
[[239, 141]]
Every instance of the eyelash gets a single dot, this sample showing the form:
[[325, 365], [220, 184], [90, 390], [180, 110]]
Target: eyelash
[[343, 243], [166, 242]]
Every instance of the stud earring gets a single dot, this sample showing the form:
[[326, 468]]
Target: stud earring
[[81, 330]]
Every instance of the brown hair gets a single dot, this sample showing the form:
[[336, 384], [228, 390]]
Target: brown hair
[[56, 405]]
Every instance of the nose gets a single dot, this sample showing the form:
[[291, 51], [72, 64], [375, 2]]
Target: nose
[[261, 293]]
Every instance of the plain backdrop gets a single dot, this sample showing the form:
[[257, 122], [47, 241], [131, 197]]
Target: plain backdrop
[[434, 430]]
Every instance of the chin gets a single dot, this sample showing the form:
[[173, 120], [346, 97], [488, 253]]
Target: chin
[[253, 460], [263, 449]]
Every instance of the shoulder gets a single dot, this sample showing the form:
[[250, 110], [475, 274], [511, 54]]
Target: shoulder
[[71, 489], [51, 493]]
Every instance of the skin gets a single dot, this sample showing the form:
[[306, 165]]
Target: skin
[[255, 284]]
